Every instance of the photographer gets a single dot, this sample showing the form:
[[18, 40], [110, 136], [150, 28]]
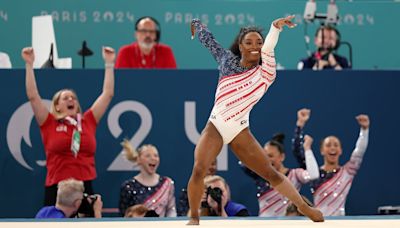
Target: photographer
[[71, 201], [327, 41], [216, 200]]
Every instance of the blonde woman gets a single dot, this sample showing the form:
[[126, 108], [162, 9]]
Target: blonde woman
[[67, 134], [148, 188]]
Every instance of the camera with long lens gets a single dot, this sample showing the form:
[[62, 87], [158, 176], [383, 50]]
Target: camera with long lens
[[86, 207], [215, 194]]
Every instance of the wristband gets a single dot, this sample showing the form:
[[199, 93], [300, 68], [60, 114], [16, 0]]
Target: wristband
[[109, 65]]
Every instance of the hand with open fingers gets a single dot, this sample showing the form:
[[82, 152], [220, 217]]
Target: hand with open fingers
[[363, 120], [308, 140], [280, 22], [108, 54], [28, 55]]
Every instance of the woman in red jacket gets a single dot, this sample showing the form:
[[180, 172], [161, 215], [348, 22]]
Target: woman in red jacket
[[67, 134]]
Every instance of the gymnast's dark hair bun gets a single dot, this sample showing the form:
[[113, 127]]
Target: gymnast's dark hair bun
[[279, 137]]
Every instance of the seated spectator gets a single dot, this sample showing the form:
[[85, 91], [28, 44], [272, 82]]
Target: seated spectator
[[217, 199], [147, 51], [69, 201], [148, 188], [327, 41], [4, 61]]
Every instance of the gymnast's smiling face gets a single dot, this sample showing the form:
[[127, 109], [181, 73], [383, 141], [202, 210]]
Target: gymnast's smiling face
[[250, 48]]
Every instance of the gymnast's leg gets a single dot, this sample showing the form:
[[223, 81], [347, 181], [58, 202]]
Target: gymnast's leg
[[207, 149], [249, 151]]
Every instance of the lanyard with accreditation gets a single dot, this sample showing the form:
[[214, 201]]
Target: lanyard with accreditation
[[76, 134]]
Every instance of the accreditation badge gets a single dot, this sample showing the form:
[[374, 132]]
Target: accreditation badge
[[76, 142]]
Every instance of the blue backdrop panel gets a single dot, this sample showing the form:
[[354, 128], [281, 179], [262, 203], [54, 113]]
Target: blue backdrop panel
[[155, 100]]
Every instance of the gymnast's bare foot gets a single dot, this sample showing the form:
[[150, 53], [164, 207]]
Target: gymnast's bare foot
[[193, 221], [314, 214]]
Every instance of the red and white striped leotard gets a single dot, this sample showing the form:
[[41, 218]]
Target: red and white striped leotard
[[237, 94]]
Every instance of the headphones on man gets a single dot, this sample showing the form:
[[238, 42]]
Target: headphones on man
[[338, 36], [158, 29]]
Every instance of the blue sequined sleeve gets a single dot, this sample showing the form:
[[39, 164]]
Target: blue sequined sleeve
[[207, 39], [297, 147], [183, 203], [126, 198]]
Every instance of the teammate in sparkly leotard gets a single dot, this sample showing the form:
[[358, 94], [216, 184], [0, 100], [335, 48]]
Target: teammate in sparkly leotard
[[330, 190], [154, 191], [270, 202]]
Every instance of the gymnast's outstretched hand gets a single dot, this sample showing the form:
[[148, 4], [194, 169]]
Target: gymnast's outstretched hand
[[281, 22]]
